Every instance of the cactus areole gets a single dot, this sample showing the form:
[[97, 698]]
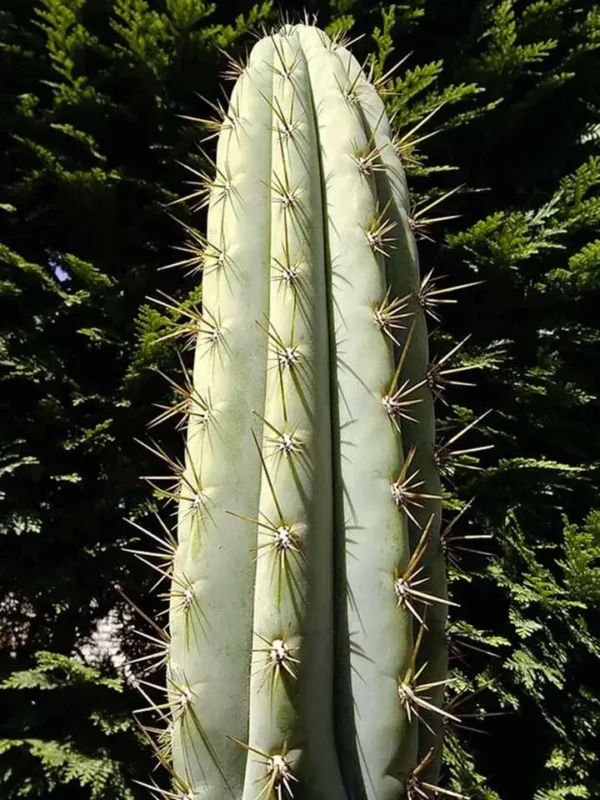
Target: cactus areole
[[306, 654]]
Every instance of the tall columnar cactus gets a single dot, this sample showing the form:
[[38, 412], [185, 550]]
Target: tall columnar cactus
[[306, 651]]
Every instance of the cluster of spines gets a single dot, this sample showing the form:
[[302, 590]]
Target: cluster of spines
[[391, 316]]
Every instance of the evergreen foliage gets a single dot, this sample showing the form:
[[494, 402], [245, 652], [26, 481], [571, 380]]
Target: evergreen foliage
[[91, 133]]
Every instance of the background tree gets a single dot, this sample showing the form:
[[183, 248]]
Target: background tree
[[91, 106]]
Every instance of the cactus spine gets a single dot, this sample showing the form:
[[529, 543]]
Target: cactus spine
[[307, 655]]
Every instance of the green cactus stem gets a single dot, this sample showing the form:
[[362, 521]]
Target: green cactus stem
[[307, 651]]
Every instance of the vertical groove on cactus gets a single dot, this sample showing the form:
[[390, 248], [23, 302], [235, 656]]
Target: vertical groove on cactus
[[306, 655], [375, 533]]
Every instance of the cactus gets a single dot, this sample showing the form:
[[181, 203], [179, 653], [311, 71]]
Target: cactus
[[306, 653]]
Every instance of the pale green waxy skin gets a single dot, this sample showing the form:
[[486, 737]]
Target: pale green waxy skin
[[405, 279], [376, 540], [288, 642], [211, 641], [294, 591]]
